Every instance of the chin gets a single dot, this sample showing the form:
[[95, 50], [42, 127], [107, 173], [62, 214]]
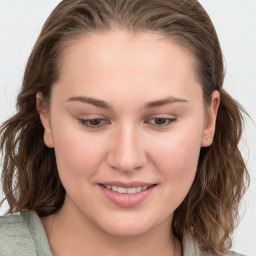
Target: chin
[[128, 227], [127, 231]]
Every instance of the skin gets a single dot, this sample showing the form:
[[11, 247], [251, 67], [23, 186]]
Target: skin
[[126, 71]]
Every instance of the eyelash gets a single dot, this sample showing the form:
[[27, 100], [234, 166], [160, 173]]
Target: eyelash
[[86, 122], [168, 121]]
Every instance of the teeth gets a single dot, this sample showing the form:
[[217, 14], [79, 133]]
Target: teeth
[[114, 188], [122, 190], [131, 190], [138, 189]]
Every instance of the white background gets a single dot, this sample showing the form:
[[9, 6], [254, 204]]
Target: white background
[[235, 22]]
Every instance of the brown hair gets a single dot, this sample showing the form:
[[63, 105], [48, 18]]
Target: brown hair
[[30, 178]]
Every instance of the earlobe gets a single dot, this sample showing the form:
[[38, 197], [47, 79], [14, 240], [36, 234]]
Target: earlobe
[[210, 120], [43, 111]]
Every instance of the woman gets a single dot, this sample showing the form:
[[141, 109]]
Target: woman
[[124, 137]]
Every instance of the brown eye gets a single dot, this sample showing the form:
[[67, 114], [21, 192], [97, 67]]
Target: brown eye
[[93, 123], [161, 121]]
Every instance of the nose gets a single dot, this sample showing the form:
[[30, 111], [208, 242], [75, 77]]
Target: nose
[[127, 153]]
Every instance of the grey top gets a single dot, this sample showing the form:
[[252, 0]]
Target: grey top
[[24, 235]]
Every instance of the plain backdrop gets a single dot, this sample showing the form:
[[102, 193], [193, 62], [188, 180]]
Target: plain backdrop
[[235, 22]]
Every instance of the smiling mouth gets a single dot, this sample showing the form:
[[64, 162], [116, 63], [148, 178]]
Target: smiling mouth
[[132, 190], [127, 194]]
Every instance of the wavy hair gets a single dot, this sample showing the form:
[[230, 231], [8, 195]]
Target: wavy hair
[[30, 178]]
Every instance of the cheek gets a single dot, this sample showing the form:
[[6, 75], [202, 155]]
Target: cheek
[[177, 159], [180, 149], [78, 155]]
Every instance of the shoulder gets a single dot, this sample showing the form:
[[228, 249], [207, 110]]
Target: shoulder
[[16, 220], [191, 248], [15, 234], [236, 254], [20, 235], [16, 224]]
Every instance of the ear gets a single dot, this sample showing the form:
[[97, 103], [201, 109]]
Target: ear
[[43, 111], [210, 120]]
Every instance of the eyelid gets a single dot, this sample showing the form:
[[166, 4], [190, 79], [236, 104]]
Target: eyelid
[[84, 122], [170, 121], [167, 121]]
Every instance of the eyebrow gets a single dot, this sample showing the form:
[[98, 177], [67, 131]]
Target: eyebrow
[[102, 104], [91, 101], [162, 102]]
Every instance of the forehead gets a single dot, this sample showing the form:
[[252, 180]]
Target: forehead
[[126, 61], [125, 48]]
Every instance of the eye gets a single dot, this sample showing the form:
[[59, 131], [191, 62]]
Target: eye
[[93, 123], [161, 121]]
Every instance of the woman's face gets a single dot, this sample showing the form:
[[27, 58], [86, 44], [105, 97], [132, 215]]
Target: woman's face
[[127, 122]]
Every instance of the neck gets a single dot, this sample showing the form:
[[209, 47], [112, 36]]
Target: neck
[[70, 233]]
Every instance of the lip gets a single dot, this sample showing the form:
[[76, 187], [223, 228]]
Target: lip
[[126, 200], [126, 184]]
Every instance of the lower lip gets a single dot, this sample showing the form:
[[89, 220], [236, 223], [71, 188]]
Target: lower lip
[[126, 200]]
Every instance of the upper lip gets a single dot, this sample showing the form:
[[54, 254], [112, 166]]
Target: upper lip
[[127, 184]]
